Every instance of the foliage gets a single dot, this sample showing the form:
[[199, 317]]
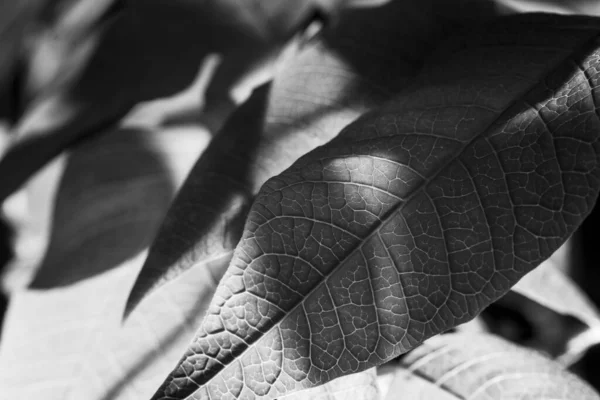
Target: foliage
[[395, 169]]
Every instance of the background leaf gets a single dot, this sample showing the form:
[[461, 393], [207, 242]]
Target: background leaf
[[413, 219], [51, 335], [480, 366], [549, 286], [151, 49], [361, 386]]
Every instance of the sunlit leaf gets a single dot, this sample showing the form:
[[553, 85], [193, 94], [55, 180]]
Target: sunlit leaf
[[413, 219], [477, 367]]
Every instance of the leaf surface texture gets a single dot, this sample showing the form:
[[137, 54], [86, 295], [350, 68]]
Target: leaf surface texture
[[413, 219], [316, 92]]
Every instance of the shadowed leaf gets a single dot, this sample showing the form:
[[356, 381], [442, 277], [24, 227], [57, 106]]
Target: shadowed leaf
[[151, 49], [548, 286], [413, 219]]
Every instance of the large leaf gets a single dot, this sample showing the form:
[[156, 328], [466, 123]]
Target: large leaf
[[480, 366], [413, 219], [315, 93]]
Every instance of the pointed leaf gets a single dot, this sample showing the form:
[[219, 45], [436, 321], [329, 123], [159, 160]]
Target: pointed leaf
[[313, 96], [481, 366], [413, 219]]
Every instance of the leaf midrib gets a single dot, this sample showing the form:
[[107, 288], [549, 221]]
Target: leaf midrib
[[572, 55]]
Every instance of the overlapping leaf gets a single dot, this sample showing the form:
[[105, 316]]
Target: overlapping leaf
[[152, 49], [329, 83], [550, 287], [480, 366], [413, 219], [51, 336]]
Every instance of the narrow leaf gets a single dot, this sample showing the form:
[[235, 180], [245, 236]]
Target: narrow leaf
[[481, 366], [315, 93], [413, 219]]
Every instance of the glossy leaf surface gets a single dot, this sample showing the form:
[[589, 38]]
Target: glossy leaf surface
[[413, 219], [481, 366]]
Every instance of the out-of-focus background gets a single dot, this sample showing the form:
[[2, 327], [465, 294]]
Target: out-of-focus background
[[150, 82]]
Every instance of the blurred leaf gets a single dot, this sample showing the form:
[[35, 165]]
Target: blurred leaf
[[477, 367], [71, 338], [94, 206], [586, 7], [361, 386], [30, 210], [16, 18], [330, 82], [553, 289], [413, 219], [151, 49], [550, 287]]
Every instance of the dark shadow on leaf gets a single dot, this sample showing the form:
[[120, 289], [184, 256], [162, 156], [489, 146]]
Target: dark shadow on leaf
[[223, 168], [110, 201]]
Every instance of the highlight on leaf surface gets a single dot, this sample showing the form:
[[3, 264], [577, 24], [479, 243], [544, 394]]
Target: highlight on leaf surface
[[413, 219], [477, 367], [326, 84]]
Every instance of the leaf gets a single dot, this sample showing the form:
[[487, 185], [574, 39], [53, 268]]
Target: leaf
[[127, 217], [15, 19], [553, 289], [361, 386], [152, 49], [545, 282], [413, 219], [315, 93], [68, 342], [587, 7], [481, 366]]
